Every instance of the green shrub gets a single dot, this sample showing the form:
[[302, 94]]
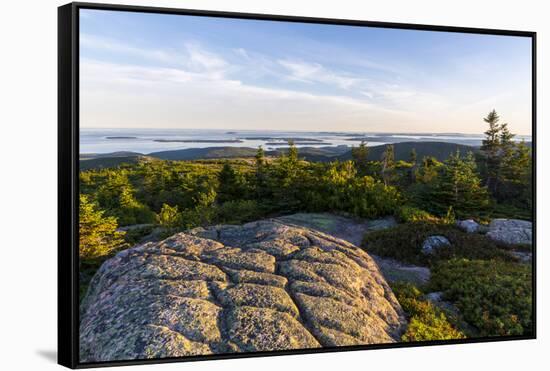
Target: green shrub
[[426, 322], [404, 243], [410, 214], [98, 235], [169, 216], [494, 296]]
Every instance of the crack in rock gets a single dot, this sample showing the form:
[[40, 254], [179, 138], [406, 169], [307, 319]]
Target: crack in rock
[[263, 286]]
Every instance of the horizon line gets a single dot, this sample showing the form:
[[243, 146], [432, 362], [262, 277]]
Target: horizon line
[[293, 130]]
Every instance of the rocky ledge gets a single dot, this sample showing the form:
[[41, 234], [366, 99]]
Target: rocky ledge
[[263, 286]]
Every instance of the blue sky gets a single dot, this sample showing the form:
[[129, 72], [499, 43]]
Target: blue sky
[[142, 70]]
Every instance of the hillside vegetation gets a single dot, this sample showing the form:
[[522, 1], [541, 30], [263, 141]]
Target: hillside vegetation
[[439, 150], [424, 192]]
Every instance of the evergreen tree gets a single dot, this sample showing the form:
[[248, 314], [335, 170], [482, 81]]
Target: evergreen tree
[[260, 183], [413, 168], [515, 177], [412, 156], [429, 170], [230, 184], [117, 197], [260, 157], [169, 217], [458, 186], [98, 236], [491, 147], [285, 183], [360, 155], [388, 165], [292, 152], [505, 136]]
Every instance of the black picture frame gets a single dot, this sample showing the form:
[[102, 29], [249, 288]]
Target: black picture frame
[[68, 167]]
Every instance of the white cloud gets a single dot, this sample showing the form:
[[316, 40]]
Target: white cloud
[[115, 95], [196, 87], [315, 72], [242, 52]]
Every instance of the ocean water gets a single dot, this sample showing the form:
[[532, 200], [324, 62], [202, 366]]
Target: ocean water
[[146, 141]]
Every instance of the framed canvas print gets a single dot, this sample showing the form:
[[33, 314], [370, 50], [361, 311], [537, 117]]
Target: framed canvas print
[[235, 185]]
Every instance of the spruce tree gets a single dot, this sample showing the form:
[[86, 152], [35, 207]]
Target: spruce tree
[[413, 169], [458, 186], [230, 184], [260, 157], [360, 155], [98, 235], [388, 164], [490, 147], [292, 152], [516, 173], [261, 191]]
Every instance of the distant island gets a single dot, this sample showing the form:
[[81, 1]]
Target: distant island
[[296, 143], [286, 139], [198, 140]]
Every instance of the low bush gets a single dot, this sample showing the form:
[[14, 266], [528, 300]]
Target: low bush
[[426, 322], [404, 243], [494, 296], [410, 214]]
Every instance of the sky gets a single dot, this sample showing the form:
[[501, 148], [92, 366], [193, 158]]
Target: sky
[[144, 70]]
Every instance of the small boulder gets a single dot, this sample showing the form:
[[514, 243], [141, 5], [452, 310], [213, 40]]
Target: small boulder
[[432, 243], [468, 226], [511, 231]]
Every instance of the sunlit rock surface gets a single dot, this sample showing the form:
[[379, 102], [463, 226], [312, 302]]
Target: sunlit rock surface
[[264, 286]]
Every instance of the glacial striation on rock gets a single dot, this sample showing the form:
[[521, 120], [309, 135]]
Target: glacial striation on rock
[[262, 286]]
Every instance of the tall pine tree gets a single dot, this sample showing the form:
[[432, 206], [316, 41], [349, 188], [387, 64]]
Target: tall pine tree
[[458, 186], [388, 165], [360, 155], [491, 148]]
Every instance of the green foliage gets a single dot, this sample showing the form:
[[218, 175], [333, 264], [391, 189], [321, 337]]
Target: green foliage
[[515, 176], [506, 165], [339, 189], [409, 214], [426, 322], [456, 186], [98, 234], [450, 217], [360, 155], [404, 243], [232, 185], [169, 217], [388, 165], [493, 295], [428, 171], [239, 211]]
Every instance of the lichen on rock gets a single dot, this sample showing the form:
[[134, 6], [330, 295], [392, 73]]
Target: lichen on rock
[[263, 286]]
